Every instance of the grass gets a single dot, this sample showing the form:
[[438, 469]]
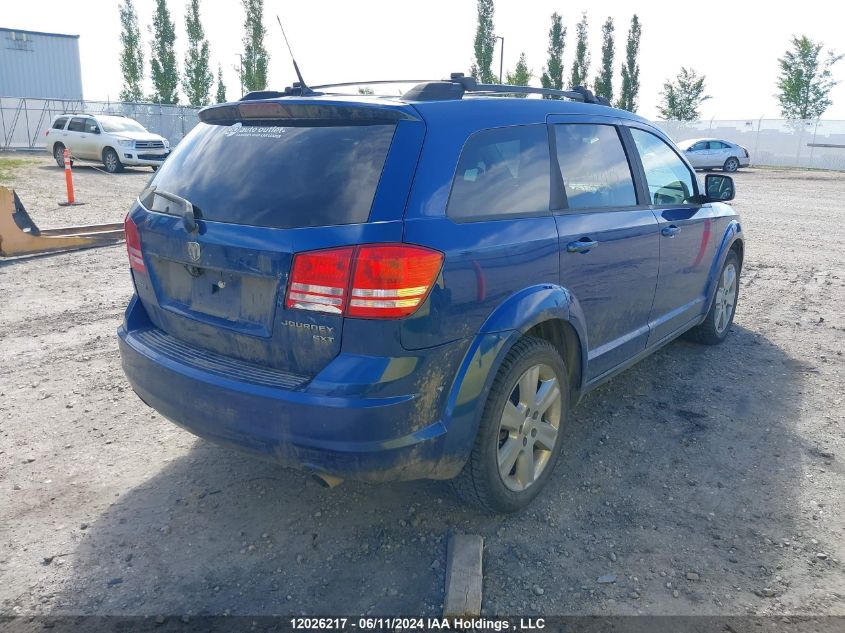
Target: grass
[[9, 165]]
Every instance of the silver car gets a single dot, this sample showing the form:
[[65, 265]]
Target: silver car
[[712, 153]]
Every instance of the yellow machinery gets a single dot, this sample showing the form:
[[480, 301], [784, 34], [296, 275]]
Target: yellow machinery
[[20, 236]]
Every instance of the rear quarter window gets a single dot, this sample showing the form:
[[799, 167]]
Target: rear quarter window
[[502, 172], [277, 175], [59, 124]]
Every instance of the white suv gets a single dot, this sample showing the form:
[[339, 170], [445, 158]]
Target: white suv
[[113, 140]]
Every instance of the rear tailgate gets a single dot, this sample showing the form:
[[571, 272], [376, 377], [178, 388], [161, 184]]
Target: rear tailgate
[[222, 219]]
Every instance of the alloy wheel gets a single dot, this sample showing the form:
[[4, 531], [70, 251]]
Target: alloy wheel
[[529, 426], [725, 298]]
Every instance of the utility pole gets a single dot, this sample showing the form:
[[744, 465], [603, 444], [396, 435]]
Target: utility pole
[[501, 56]]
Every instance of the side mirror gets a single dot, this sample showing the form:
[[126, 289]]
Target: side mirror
[[718, 188]]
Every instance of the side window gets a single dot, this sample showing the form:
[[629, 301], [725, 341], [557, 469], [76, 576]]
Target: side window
[[59, 124], [503, 171], [77, 124], [701, 145], [594, 167], [91, 126], [669, 180]]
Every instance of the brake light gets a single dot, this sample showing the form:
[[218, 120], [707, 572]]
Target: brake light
[[372, 281], [133, 245], [319, 280]]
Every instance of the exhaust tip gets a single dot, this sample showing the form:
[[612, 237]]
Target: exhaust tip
[[327, 481]]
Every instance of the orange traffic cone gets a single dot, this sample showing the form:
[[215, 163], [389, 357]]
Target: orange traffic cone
[[71, 199]]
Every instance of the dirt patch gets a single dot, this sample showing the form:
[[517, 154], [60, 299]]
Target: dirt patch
[[40, 183], [705, 480]]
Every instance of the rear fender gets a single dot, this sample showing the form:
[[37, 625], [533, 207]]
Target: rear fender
[[536, 304], [469, 391]]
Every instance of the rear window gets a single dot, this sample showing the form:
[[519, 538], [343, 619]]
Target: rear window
[[502, 172], [282, 176]]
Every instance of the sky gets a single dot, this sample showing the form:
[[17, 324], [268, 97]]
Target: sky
[[735, 46]]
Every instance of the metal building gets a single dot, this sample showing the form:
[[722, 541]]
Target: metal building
[[41, 65]]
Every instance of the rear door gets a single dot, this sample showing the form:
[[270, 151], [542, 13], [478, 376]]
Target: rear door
[[265, 181], [609, 239], [73, 136], [688, 235]]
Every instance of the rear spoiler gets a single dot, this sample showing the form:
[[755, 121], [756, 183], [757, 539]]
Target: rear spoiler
[[354, 113]]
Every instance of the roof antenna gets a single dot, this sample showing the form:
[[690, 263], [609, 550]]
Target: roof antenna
[[302, 85]]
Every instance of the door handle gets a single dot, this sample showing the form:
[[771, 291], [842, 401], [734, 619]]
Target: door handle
[[581, 246], [670, 231]]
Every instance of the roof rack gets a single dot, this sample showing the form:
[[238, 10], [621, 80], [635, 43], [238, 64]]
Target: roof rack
[[470, 84], [437, 90]]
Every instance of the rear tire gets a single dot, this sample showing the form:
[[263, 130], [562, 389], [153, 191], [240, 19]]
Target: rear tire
[[731, 165], [59, 155], [112, 161], [715, 327], [519, 437]]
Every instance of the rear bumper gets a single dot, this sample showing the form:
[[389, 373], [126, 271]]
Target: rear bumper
[[308, 427]]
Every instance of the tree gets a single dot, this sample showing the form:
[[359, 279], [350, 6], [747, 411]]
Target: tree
[[198, 77], [552, 76], [683, 97], [521, 74], [630, 69], [581, 65], [163, 57], [604, 81], [255, 57], [131, 54], [220, 96], [805, 80], [485, 42]]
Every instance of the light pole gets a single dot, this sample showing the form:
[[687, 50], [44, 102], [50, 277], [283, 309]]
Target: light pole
[[501, 56], [241, 71]]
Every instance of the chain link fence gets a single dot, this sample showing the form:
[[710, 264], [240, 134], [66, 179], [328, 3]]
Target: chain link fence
[[23, 120], [773, 142]]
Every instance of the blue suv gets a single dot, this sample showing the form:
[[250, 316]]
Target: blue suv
[[417, 287]]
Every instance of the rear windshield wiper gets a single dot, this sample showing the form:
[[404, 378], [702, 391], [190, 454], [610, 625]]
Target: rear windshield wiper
[[189, 215]]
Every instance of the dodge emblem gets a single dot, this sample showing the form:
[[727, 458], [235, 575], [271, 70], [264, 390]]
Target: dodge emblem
[[194, 251]]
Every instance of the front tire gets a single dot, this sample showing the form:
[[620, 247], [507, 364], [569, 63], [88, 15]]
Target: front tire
[[731, 165], [715, 327], [519, 437], [112, 161]]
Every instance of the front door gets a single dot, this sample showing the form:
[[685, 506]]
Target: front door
[[688, 236], [88, 142], [609, 242]]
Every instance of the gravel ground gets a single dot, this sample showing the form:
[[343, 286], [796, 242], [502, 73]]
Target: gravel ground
[[705, 480]]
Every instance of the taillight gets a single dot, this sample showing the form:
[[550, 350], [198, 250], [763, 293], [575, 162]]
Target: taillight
[[319, 280], [372, 281], [133, 245]]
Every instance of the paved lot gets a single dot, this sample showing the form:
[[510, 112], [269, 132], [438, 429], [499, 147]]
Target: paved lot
[[703, 481]]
